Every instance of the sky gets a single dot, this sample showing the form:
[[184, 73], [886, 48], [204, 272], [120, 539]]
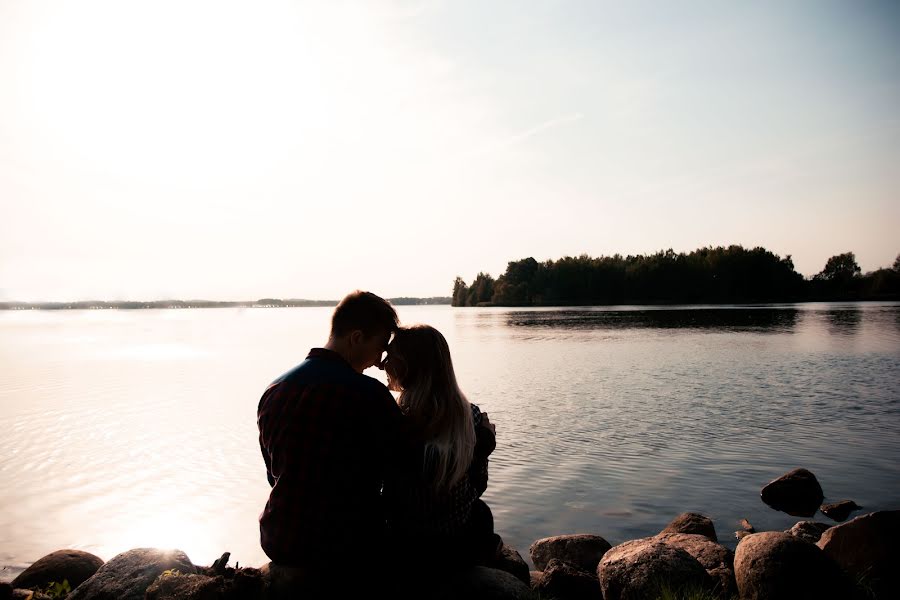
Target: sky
[[240, 150]]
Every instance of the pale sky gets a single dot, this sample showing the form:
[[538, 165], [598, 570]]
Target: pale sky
[[238, 150]]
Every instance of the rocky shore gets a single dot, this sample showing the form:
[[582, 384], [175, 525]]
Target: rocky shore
[[856, 560]]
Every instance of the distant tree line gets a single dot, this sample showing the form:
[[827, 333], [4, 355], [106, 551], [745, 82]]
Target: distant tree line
[[158, 304], [705, 276]]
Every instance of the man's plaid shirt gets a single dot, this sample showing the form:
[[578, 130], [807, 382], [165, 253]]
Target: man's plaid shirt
[[328, 436]]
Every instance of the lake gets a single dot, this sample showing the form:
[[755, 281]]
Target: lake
[[123, 429]]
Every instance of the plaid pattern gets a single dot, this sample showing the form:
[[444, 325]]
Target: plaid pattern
[[328, 436], [415, 510]]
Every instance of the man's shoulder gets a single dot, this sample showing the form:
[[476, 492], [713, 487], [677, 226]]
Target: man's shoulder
[[314, 373]]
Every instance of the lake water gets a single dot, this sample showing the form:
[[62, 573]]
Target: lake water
[[122, 429]]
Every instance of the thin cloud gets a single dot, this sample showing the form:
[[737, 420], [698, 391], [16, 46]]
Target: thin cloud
[[520, 137]]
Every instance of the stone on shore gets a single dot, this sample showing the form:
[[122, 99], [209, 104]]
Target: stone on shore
[[866, 548], [128, 575], [641, 568], [511, 561], [714, 557], [184, 587], [564, 581], [839, 511], [690, 522], [581, 550], [797, 493], [74, 566], [809, 531], [482, 583], [774, 565]]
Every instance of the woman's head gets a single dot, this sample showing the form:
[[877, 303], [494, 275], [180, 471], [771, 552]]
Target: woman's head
[[419, 356], [418, 365]]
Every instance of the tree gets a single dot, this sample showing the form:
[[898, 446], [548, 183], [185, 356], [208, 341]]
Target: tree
[[460, 291], [840, 268], [896, 266]]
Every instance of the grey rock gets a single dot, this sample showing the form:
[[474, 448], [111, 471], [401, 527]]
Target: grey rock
[[773, 565], [128, 575], [839, 511], [808, 531], [511, 561], [639, 569], [482, 583], [690, 522], [714, 557], [582, 550], [74, 566], [184, 587], [866, 548], [797, 493], [564, 581]]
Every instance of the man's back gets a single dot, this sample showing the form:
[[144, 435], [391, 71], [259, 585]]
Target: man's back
[[327, 434]]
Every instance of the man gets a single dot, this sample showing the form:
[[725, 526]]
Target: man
[[328, 436]]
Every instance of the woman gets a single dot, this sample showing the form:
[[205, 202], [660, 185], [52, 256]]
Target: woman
[[434, 507]]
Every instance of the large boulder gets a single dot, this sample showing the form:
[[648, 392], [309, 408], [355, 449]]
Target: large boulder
[[482, 583], [774, 565], [74, 566], [184, 587], [642, 568], [690, 522], [564, 581], [714, 557], [797, 493], [128, 575], [866, 547], [839, 511], [808, 531], [509, 560], [581, 550]]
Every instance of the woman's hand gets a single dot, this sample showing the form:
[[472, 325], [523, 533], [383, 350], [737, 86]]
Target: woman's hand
[[485, 422]]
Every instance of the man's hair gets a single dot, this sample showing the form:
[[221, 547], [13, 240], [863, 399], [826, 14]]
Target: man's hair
[[365, 311]]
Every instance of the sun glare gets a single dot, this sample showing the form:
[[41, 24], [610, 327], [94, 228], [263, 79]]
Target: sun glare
[[136, 92]]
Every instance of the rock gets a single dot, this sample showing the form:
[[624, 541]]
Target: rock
[[184, 587], [511, 561], [565, 581], [639, 569], [6, 591], [808, 531], [717, 560], [746, 529], [482, 583], [797, 493], [773, 565], [534, 576], [247, 584], [75, 566], [24, 594], [128, 575], [839, 511], [866, 547], [581, 550], [692, 523]]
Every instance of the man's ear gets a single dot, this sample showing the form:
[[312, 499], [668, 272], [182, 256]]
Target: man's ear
[[357, 336]]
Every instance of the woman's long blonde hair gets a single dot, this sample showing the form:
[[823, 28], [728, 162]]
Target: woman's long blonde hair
[[419, 367]]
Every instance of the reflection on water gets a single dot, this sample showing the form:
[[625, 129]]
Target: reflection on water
[[844, 321], [729, 319], [124, 429]]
